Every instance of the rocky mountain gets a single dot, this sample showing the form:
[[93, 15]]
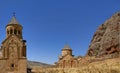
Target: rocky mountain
[[106, 40]]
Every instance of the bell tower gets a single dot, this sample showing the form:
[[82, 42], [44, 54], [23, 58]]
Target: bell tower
[[14, 27], [13, 49]]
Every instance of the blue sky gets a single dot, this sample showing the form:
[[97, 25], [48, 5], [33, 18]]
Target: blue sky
[[49, 24]]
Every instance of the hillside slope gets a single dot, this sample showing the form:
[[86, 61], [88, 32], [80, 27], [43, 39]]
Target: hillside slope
[[37, 64]]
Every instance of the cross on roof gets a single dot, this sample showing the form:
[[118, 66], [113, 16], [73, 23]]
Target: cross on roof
[[14, 14]]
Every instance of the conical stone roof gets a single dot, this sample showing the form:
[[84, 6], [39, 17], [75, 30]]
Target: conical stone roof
[[13, 21], [67, 47]]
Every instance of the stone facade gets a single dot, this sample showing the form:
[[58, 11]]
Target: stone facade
[[67, 60], [13, 49]]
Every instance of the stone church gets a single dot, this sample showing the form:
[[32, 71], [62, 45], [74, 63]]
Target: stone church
[[67, 59], [13, 49]]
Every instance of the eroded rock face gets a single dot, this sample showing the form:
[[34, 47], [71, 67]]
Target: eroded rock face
[[106, 40]]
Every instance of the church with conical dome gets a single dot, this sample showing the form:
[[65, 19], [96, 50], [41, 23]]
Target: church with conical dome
[[67, 59], [13, 49]]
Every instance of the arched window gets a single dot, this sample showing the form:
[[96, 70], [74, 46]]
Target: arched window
[[19, 32], [72, 63], [24, 51], [7, 31], [15, 31], [12, 65], [64, 64], [11, 31]]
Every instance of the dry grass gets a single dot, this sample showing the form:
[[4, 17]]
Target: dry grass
[[106, 66]]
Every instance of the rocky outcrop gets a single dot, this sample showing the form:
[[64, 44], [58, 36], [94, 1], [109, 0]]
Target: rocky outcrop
[[106, 40]]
